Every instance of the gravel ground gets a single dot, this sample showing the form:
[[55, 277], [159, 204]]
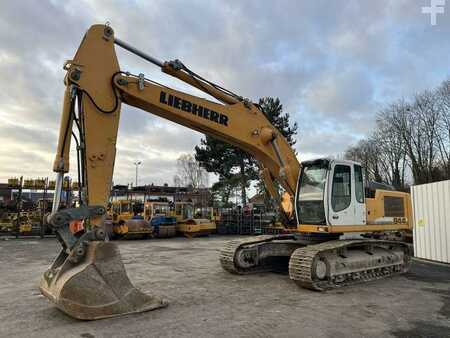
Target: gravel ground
[[206, 301]]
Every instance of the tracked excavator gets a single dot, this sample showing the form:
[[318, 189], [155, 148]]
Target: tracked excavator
[[323, 200]]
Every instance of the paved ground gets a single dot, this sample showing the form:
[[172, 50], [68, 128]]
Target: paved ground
[[206, 301]]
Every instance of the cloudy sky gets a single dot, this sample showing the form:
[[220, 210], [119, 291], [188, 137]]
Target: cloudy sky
[[332, 63]]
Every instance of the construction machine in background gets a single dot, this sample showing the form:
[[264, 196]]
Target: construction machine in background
[[191, 226], [121, 210], [158, 214], [16, 225], [23, 217], [323, 200], [127, 223], [183, 210]]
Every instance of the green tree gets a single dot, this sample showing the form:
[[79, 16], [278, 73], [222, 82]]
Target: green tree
[[233, 165], [273, 109], [223, 191]]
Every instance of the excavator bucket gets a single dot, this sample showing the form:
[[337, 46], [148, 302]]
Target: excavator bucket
[[96, 287]]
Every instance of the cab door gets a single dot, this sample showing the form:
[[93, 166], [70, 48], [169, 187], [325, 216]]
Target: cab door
[[346, 195], [340, 197]]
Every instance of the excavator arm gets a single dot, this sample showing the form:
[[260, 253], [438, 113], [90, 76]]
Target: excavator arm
[[88, 280], [94, 78]]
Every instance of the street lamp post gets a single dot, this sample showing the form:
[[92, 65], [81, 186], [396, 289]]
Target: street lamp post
[[137, 164]]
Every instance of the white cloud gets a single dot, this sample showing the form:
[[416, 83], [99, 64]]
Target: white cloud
[[331, 63]]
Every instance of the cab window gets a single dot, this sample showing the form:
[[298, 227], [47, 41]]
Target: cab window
[[341, 191], [310, 204], [359, 185]]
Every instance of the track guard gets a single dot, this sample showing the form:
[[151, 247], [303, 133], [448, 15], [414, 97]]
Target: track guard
[[96, 287]]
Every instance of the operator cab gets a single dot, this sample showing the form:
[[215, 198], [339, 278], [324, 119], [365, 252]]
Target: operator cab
[[330, 192]]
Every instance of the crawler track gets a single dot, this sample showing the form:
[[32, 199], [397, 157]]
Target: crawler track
[[324, 266], [262, 253], [335, 264], [231, 248]]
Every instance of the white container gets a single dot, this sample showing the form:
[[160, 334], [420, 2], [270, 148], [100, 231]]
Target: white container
[[431, 217]]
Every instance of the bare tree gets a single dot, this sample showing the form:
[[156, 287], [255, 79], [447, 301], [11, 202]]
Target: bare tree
[[416, 124], [177, 181], [444, 128], [366, 152], [391, 151], [190, 173], [413, 135]]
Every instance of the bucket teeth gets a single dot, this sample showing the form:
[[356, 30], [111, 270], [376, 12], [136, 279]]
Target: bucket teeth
[[96, 287]]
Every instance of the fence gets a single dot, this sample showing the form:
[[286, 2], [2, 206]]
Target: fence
[[244, 222]]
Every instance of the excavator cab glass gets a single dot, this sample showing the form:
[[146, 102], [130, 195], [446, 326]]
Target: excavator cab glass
[[311, 192], [341, 192]]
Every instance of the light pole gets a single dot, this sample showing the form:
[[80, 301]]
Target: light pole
[[137, 164]]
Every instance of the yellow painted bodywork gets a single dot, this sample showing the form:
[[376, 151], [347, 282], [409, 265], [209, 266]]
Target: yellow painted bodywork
[[95, 61], [121, 210], [374, 212], [182, 211], [13, 182], [375, 207], [25, 227], [127, 230], [121, 213], [120, 229], [351, 228], [9, 223], [196, 227], [123, 229], [189, 226]]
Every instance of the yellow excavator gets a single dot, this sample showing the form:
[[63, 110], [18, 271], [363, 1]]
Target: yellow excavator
[[323, 200]]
